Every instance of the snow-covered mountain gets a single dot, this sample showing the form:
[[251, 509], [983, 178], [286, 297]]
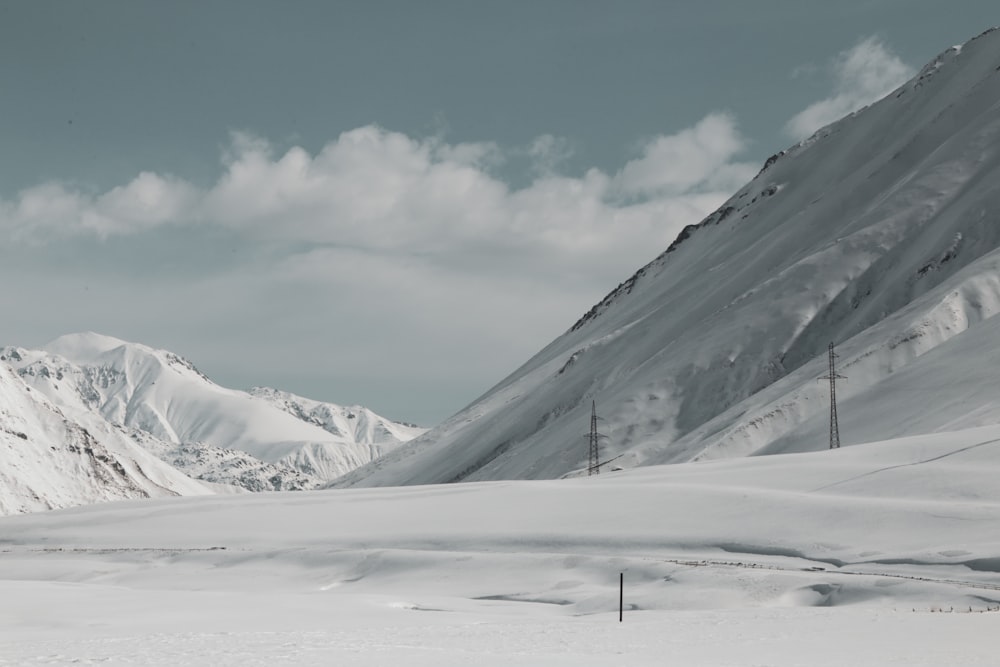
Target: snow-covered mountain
[[356, 423], [159, 401], [880, 233], [49, 460]]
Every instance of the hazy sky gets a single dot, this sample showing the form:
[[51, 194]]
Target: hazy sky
[[396, 203]]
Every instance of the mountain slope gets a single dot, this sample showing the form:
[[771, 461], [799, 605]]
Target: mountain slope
[[354, 423], [881, 232], [51, 461], [218, 434]]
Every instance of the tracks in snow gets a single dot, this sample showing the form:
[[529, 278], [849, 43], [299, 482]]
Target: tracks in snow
[[836, 571]]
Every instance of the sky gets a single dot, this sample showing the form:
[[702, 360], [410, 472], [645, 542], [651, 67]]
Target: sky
[[390, 203]]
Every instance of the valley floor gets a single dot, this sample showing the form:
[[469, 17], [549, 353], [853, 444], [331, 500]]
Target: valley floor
[[114, 627], [879, 554]]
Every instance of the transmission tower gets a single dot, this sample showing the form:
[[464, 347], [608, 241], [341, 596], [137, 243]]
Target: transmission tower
[[593, 440], [833, 376]]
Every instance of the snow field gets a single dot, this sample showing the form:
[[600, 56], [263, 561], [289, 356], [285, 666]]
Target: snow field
[[825, 558], [386, 635]]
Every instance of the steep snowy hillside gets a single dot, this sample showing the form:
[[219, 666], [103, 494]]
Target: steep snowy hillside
[[50, 461], [880, 233], [213, 433]]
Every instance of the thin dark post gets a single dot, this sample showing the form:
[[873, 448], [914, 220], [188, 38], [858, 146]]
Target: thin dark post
[[833, 376], [621, 595]]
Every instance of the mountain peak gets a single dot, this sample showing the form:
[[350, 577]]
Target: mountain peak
[[90, 348], [146, 402], [86, 344]]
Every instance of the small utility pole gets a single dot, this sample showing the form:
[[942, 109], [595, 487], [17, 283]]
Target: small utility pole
[[621, 595], [833, 376]]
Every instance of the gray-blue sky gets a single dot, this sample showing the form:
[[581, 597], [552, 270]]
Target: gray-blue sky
[[479, 262]]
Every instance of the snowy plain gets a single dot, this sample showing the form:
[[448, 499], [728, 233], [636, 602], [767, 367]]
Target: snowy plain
[[880, 554]]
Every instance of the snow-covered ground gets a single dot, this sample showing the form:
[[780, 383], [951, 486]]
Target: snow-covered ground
[[313, 630], [825, 558]]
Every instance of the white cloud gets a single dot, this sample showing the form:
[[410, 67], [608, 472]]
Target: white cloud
[[52, 210], [547, 152], [389, 194], [397, 257], [147, 201], [484, 155], [863, 74], [696, 158]]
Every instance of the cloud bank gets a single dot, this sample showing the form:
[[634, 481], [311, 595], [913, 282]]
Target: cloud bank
[[389, 194], [863, 74], [397, 271], [381, 262]]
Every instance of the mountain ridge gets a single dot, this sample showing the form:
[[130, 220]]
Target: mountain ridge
[[155, 404], [52, 461], [874, 214]]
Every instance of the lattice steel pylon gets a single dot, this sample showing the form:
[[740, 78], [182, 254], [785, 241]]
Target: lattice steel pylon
[[593, 440], [833, 376]]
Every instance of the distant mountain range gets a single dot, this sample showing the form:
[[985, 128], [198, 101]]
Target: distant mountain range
[[90, 417], [881, 233]]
